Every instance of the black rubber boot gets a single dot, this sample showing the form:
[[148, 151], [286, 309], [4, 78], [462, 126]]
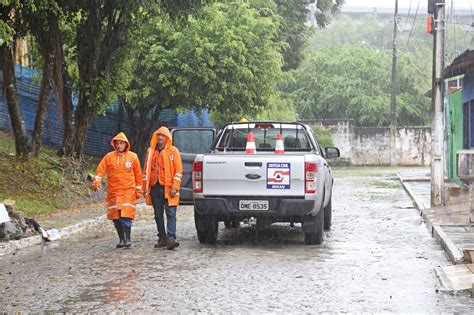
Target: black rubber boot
[[128, 241], [121, 235]]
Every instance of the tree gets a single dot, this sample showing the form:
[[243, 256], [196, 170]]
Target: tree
[[354, 82], [224, 58], [17, 20], [42, 18], [294, 30], [12, 28]]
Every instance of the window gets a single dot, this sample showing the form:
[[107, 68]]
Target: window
[[468, 125], [265, 139], [194, 141]]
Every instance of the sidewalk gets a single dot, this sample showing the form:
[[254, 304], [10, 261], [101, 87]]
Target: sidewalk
[[68, 223], [449, 225]]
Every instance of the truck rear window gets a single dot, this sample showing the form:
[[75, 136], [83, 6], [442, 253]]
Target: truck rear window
[[265, 139]]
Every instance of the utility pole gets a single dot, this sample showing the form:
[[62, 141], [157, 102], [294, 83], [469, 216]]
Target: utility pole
[[393, 101], [437, 105]]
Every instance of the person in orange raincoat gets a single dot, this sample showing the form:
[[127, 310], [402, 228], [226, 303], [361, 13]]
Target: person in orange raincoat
[[162, 180], [124, 186]]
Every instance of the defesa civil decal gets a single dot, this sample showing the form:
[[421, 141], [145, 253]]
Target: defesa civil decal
[[278, 175]]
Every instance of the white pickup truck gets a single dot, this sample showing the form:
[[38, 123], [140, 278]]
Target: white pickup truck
[[229, 185]]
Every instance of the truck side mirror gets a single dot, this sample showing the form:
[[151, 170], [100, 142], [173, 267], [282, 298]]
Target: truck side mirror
[[332, 153]]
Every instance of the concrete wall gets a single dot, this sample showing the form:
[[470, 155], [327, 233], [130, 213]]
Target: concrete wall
[[371, 146]]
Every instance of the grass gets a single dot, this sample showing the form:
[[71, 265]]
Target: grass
[[43, 184]]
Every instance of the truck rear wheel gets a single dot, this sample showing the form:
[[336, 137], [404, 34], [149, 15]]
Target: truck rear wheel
[[315, 237], [206, 228], [328, 215]]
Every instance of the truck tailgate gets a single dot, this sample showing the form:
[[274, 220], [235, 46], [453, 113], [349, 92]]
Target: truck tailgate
[[253, 175]]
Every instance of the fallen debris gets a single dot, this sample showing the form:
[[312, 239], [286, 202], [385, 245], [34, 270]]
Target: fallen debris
[[14, 226]]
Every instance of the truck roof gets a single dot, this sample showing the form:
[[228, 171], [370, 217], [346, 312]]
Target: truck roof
[[265, 125]]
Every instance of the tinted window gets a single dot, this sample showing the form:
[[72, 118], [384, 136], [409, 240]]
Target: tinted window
[[193, 141], [265, 139]]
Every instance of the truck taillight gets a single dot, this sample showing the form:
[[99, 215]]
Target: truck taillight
[[310, 171], [197, 177]]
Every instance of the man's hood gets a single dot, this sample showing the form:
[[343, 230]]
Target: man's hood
[[121, 137], [161, 131]]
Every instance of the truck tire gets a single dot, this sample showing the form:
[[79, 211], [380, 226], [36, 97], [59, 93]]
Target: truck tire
[[328, 215], [206, 228], [316, 236]]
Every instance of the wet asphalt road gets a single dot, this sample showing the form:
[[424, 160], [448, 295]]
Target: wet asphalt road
[[378, 257]]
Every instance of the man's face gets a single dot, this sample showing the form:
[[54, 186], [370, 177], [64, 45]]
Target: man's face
[[161, 142], [120, 145]]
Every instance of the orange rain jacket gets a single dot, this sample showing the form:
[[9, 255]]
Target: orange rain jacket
[[124, 176], [172, 165]]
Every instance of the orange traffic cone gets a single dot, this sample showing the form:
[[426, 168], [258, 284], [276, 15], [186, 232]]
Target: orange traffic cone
[[279, 147], [250, 148]]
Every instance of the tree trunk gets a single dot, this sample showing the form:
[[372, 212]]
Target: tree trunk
[[142, 127], [63, 84], [10, 90], [45, 89], [84, 116]]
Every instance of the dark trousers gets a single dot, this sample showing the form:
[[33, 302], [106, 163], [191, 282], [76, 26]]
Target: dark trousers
[[160, 205]]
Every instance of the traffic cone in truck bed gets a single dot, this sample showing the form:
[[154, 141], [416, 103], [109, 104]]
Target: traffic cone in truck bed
[[250, 148], [279, 147]]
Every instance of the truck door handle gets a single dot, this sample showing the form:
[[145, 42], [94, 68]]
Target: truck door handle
[[253, 164], [253, 176]]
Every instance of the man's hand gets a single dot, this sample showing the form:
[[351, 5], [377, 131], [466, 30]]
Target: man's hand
[[95, 185], [173, 192]]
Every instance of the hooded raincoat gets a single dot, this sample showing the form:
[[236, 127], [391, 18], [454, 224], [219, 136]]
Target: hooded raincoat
[[124, 176], [172, 165]]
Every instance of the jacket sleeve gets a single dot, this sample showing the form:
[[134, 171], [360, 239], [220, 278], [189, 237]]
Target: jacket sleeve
[[178, 167], [101, 170], [137, 170]]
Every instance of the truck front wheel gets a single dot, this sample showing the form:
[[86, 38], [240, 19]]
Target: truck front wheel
[[206, 228]]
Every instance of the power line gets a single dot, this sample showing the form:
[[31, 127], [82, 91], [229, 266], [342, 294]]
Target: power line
[[408, 16], [453, 16], [414, 21]]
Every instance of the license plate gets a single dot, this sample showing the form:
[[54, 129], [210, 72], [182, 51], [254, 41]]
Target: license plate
[[253, 205]]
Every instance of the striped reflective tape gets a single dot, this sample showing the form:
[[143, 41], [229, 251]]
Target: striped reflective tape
[[128, 205]]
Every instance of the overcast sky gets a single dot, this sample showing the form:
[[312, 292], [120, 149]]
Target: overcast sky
[[404, 3]]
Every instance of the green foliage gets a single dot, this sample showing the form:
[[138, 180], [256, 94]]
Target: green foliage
[[279, 109], [293, 29], [224, 58], [353, 81], [375, 32], [324, 136]]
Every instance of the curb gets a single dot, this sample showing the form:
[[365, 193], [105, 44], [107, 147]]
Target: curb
[[454, 254], [420, 206], [436, 231], [13, 246]]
